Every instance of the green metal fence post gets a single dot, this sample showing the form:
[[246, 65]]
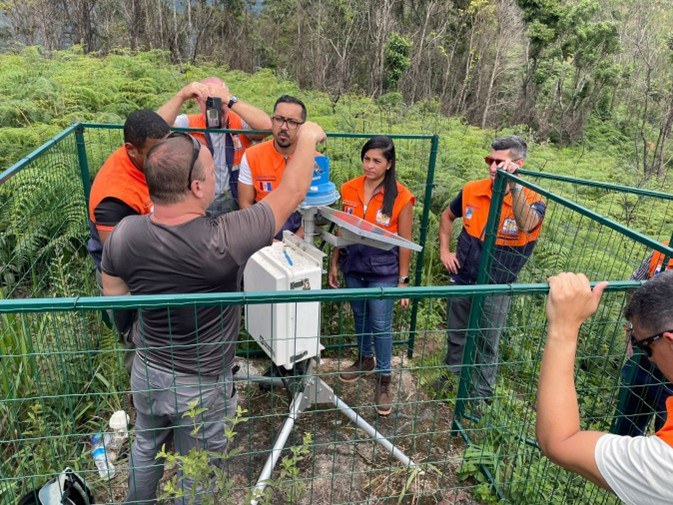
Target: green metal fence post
[[474, 322], [83, 163], [418, 277]]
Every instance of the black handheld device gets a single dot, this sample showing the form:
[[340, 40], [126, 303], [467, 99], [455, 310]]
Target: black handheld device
[[213, 112]]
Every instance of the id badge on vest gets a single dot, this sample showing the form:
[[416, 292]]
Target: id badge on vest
[[236, 140], [382, 219], [509, 226]]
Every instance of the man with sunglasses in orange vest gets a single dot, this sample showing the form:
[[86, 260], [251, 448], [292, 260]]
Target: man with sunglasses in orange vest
[[263, 165], [227, 148], [637, 469], [520, 223], [644, 389]]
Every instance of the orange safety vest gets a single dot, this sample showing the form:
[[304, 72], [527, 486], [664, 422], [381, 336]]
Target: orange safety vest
[[266, 167], [666, 432], [656, 262], [119, 178], [353, 199], [234, 122], [477, 196]]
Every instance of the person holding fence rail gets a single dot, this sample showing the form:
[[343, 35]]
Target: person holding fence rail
[[518, 230], [636, 469], [379, 198], [185, 354]]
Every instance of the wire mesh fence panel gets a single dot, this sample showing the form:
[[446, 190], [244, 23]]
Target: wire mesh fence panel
[[642, 209], [60, 376], [43, 223], [589, 236]]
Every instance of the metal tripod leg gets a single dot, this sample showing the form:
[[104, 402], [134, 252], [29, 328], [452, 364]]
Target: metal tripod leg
[[316, 391], [370, 430]]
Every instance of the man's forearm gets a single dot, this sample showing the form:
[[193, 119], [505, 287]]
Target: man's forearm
[[254, 117], [557, 413], [445, 229], [246, 195], [170, 110], [297, 176], [569, 303], [526, 217]]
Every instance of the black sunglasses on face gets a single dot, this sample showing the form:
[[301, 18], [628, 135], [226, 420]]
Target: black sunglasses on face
[[645, 344], [489, 161], [196, 148]]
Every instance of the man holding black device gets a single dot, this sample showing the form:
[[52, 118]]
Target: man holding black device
[[216, 105]]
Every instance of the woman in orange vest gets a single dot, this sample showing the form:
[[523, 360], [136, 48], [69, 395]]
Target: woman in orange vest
[[376, 197]]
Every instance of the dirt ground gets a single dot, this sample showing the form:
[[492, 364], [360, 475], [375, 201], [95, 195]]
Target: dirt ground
[[344, 465]]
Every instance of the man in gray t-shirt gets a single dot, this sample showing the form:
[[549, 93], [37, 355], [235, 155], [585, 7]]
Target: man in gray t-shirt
[[185, 354], [207, 256]]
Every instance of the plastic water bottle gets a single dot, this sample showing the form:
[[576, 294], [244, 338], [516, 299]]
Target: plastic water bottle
[[119, 424], [101, 457]]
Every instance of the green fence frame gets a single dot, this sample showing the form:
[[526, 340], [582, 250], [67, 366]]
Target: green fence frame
[[79, 131]]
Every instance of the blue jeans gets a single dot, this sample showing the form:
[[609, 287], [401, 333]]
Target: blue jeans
[[374, 320]]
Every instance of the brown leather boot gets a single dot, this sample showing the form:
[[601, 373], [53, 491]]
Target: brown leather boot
[[383, 403], [362, 365]]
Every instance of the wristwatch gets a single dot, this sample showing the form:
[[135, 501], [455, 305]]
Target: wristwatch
[[232, 101], [517, 187], [403, 279]]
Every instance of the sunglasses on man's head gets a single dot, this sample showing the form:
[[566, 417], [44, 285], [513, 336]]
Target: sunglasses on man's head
[[645, 344], [196, 148]]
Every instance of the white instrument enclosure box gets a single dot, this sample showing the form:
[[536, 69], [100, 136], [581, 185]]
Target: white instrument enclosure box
[[288, 332]]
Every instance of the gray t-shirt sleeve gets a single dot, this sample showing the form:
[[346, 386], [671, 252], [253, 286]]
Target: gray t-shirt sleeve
[[247, 231]]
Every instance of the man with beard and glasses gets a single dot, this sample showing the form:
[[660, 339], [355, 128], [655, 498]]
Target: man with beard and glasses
[[263, 165]]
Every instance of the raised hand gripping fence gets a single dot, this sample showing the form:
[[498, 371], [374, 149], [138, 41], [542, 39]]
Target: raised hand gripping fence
[[61, 370]]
